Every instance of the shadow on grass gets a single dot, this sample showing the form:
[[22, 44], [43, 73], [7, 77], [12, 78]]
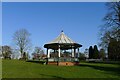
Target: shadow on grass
[[108, 70], [107, 62], [53, 76], [39, 62]]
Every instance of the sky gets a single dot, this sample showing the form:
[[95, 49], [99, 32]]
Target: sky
[[44, 21]]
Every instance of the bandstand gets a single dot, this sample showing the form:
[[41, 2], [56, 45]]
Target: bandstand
[[60, 44]]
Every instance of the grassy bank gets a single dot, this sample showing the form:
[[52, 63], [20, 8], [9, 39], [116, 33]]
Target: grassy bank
[[22, 69]]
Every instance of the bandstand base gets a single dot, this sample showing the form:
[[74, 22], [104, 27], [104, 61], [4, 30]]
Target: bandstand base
[[63, 63]]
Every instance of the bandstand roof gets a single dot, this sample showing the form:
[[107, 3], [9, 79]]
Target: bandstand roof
[[64, 41]]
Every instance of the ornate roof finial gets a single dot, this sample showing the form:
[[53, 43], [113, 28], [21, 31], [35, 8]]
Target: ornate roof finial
[[62, 31]]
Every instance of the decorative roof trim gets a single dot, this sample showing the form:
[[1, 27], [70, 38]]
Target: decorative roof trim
[[62, 38]]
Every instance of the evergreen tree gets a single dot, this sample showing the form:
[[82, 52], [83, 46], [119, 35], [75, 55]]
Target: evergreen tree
[[90, 52], [95, 52], [114, 50]]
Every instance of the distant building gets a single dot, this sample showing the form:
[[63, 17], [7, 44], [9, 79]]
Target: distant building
[[86, 53]]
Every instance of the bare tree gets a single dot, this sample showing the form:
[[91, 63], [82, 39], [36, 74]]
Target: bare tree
[[22, 40], [110, 32], [111, 27], [6, 51], [112, 18], [38, 52]]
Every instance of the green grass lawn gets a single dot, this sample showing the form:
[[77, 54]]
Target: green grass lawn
[[22, 69]]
